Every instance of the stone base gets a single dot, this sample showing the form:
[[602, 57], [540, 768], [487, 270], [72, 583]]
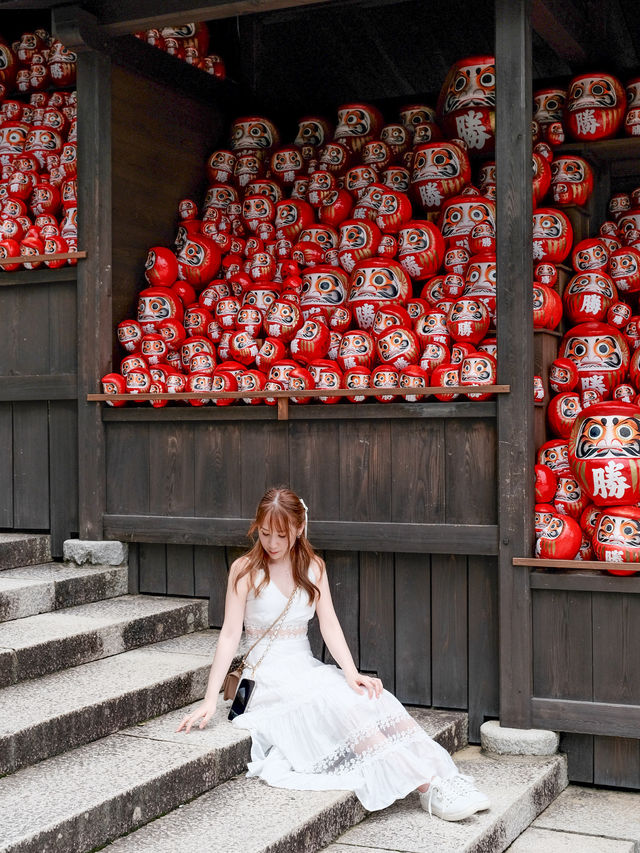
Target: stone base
[[505, 741], [97, 553]]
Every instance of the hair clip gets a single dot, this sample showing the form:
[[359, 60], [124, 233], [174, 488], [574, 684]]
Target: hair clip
[[306, 515]]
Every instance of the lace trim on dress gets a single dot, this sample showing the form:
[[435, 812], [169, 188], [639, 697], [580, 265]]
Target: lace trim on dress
[[286, 632], [365, 745]]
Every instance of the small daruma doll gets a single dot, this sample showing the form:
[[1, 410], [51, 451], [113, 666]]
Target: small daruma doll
[[588, 296], [420, 249], [604, 453], [466, 104], [617, 537], [595, 107], [552, 235], [560, 539], [398, 346], [357, 124], [601, 354], [440, 171], [374, 283], [468, 320], [571, 180]]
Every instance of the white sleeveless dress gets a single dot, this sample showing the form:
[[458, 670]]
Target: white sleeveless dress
[[311, 731]]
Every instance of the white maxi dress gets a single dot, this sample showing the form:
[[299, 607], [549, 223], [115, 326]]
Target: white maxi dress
[[311, 731]]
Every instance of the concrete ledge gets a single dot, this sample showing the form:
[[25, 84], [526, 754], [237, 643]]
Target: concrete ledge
[[505, 741], [97, 553]]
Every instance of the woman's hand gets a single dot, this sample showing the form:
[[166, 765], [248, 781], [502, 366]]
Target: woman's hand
[[360, 683], [206, 711]]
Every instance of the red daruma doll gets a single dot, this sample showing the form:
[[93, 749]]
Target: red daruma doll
[[617, 537], [604, 453]]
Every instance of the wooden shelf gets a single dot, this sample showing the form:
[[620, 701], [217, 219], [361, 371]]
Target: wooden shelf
[[605, 150], [585, 582]]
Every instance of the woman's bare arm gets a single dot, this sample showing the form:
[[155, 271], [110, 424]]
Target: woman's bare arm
[[334, 638], [226, 648]]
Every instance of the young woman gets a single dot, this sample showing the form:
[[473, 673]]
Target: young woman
[[314, 726]]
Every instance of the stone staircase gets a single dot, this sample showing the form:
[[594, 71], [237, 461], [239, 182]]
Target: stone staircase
[[93, 683]]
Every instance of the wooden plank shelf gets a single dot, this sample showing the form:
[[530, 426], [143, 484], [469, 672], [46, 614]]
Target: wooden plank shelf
[[579, 565], [474, 539], [365, 411], [39, 259], [40, 276], [605, 150], [595, 718]]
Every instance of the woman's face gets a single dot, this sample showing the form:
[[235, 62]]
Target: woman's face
[[275, 542]]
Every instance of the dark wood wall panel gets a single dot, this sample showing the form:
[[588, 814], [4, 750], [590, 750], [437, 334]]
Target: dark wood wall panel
[[264, 461], [470, 476], [616, 645], [484, 698], [413, 628], [180, 570], [63, 481], [128, 452], [418, 463], [6, 464], [365, 475], [217, 480], [314, 466], [562, 644], [210, 571], [31, 465], [449, 631], [171, 469], [616, 761], [377, 616], [152, 568]]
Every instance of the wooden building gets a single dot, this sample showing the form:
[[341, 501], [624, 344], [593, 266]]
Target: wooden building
[[420, 508]]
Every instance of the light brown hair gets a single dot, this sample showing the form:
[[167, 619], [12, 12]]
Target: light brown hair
[[282, 510]]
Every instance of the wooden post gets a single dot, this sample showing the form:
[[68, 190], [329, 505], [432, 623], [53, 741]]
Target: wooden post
[[94, 280], [515, 353]]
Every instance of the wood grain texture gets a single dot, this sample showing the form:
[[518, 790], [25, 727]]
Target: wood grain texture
[[31, 466], [377, 616], [171, 470], [616, 762], [314, 466], [217, 481], [471, 491], [152, 561], [210, 580], [515, 342], [616, 639], [6, 465], [413, 628], [127, 463], [579, 752], [343, 571], [63, 472], [418, 463], [365, 475], [180, 570], [484, 693], [563, 637], [449, 631]]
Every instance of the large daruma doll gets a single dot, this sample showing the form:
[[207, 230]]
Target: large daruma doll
[[600, 353], [604, 453], [467, 102]]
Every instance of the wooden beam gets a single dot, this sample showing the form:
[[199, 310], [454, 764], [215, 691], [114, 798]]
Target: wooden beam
[[628, 584], [564, 29], [60, 386], [592, 718], [343, 412], [40, 276], [515, 342], [478, 539], [127, 16], [94, 281]]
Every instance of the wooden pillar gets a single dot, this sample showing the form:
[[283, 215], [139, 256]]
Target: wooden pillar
[[515, 352], [94, 280]]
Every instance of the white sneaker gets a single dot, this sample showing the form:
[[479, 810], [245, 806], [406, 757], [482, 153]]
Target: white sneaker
[[482, 801], [452, 799]]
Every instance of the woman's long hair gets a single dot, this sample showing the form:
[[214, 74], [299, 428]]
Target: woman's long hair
[[282, 510]]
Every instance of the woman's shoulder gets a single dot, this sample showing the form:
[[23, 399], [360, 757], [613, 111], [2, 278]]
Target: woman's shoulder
[[238, 570], [317, 568]]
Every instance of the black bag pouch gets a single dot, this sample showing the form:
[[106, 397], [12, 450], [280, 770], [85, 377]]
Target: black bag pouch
[[242, 697]]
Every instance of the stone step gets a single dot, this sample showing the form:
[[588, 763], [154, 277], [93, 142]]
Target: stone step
[[74, 802], [520, 788], [29, 590], [48, 642], [43, 717], [24, 549]]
